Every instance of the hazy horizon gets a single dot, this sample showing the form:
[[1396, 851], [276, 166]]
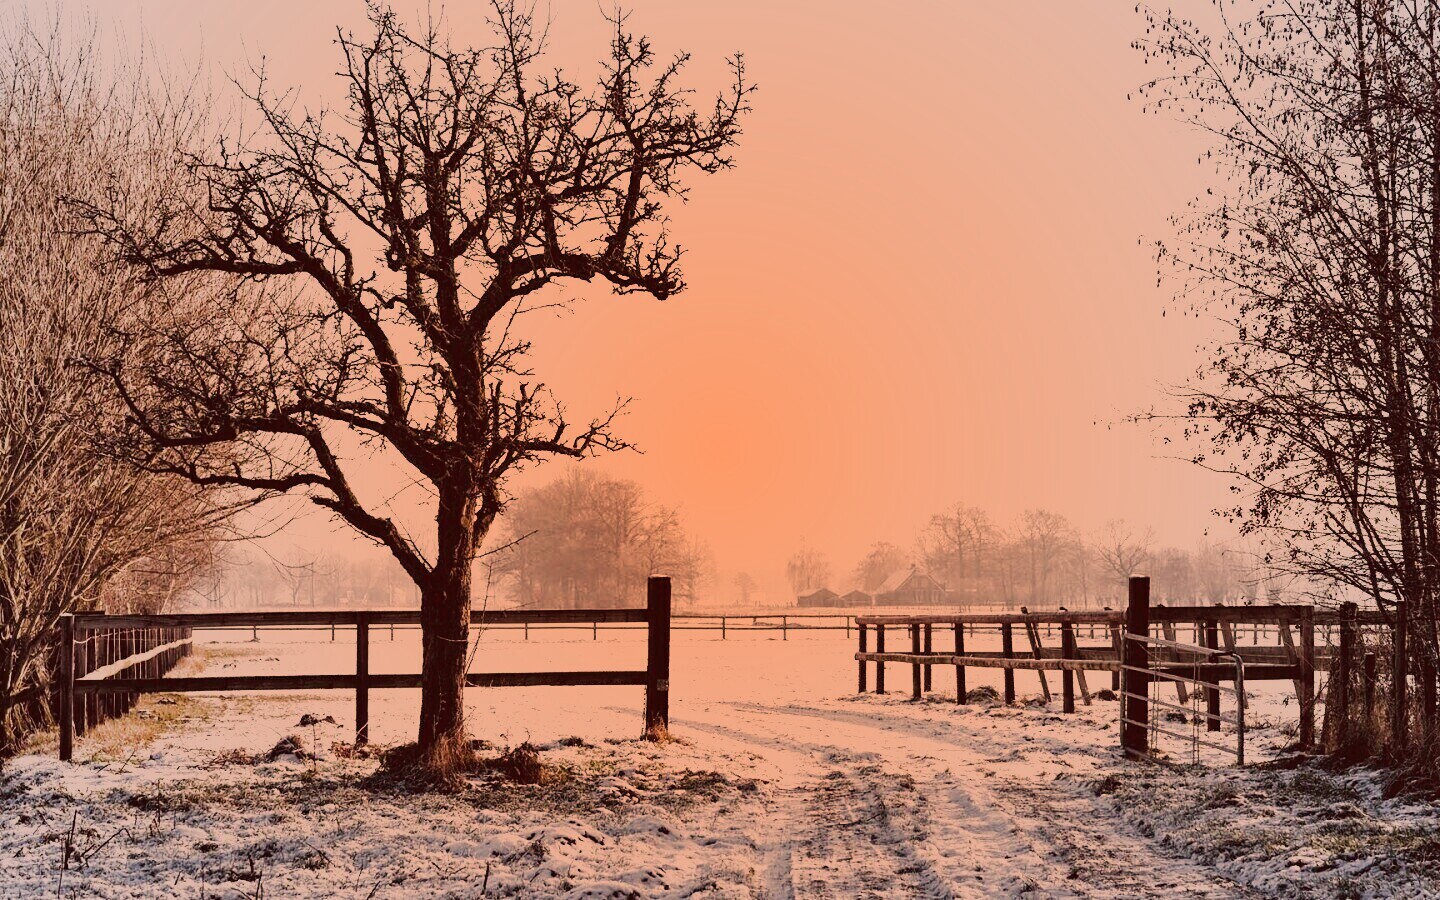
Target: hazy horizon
[[955, 301]]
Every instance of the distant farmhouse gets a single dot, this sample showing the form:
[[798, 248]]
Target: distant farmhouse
[[908, 587], [911, 588], [821, 597]]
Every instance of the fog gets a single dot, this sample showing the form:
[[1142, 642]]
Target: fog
[[927, 282]]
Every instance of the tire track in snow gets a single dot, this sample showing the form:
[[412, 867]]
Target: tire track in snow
[[980, 851], [1063, 846]]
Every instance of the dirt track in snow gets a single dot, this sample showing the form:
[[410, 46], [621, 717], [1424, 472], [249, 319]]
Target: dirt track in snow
[[906, 801]]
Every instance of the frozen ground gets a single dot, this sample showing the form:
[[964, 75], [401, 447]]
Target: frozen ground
[[782, 784]]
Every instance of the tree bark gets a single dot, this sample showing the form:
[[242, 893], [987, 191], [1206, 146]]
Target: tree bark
[[445, 633]]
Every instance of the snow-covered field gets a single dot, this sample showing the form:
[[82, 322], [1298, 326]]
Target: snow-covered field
[[782, 783]]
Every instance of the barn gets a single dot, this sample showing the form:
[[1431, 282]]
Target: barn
[[820, 597], [911, 587]]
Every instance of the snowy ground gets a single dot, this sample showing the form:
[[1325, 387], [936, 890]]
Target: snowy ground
[[783, 783]]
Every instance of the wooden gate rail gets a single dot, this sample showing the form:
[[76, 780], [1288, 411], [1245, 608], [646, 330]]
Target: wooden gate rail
[[655, 676]]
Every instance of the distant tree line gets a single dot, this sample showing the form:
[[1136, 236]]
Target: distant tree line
[[1042, 559]]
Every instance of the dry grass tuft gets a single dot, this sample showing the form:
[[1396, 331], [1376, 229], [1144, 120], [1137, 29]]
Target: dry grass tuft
[[658, 734]]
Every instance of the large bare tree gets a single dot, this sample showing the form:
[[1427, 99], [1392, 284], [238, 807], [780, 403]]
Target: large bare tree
[[399, 236]]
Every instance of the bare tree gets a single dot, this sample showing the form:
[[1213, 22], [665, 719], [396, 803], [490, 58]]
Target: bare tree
[[1044, 538], [1320, 247], [806, 570], [745, 587], [956, 546], [588, 540], [880, 563], [1123, 550], [79, 529], [454, 188]]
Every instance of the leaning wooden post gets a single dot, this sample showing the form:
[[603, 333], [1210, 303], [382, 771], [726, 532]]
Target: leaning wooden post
[[67, 687], [1007, 648], [960, 692], [1307, 677], [362, 679], [657, 666], [915, 667], [1136, 675], [862, 662]]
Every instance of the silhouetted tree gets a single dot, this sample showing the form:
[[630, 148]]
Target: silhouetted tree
[[807, 570], [880, 563], [400, 238]]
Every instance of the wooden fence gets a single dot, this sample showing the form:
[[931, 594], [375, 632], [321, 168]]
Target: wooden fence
[[1295, 656], [77, 689], [106, 650]]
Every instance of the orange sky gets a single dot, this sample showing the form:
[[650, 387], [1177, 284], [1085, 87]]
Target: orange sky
[[924, 283]]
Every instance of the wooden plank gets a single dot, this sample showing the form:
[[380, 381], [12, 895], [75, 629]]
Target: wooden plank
[[1182, 693], [1027, 663], [1098, 617], [1038, 650], [222, 683], [350, 617]]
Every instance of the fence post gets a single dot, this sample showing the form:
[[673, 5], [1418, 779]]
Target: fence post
[[1212, 694], [1007, 647], [67, 687], [929, 646], [1067, 677], [657, 665], [362, 679], [1345, 667], [784, 628], [915, 667], [880, 663], [1136, 676], [1307, 677], [960, 692], [862, 662], [722, 632]]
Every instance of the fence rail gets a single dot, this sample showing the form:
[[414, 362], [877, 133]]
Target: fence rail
[[86, 686]]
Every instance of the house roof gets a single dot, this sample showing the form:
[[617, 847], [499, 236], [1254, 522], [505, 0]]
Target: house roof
[[901, 579]]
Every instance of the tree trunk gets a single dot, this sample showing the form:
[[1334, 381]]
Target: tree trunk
[[444, 630], [444, 744]]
